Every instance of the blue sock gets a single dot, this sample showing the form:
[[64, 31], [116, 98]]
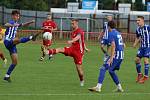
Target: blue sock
[[24, 39], [102, 74], [114, 76], [11, 68], [146, 69], [138, 67]]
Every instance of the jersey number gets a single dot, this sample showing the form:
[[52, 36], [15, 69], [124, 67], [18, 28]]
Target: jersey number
[[120, 39]]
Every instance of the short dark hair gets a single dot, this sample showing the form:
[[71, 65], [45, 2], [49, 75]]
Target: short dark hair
[[140, 17], [14, 12], [112, 24], [74, 19]]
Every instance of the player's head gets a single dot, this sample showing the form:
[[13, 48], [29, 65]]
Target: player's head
[[109, 17], [111, 25], [74, 23], [140, 21], [49, 16], [15, 15]]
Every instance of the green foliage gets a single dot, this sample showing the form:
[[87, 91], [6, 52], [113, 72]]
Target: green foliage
[[46, 4]]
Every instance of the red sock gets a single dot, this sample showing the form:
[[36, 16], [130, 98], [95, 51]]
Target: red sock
[[2, 56], [52, 51]]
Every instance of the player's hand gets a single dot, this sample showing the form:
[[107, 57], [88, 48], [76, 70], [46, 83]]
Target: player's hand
[[134, 45], [69, 42], [87, 50], [110, 61]]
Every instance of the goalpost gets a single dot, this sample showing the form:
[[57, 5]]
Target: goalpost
[[84, 23]]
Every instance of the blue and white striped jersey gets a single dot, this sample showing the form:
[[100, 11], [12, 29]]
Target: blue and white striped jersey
[[105, 30], [117, 38], [11, 31], [144, 34]]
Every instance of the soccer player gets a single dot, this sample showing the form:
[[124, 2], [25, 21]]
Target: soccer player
[[1, 53], [11, 40], [114, 61], [104, 37], [48, 26], [76, 50], [142, 35]]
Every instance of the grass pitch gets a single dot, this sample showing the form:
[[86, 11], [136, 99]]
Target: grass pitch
[[57, 79]]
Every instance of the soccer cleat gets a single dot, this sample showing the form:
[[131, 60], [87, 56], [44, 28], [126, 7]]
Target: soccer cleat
[[94, 89], [5, 62], [118, 90], [34, 36], [145, 78], [41, 59], [139, 77], [7, 79]]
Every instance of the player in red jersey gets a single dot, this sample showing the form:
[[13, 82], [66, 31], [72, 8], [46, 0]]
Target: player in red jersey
[[48, 26], [75, 50], [1, 53]]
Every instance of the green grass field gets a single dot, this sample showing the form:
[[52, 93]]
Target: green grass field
[[57, 79]]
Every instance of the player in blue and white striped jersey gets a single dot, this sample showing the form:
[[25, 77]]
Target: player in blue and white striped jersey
[[142, 36], [104, 38], [114, 61], [10, 40]]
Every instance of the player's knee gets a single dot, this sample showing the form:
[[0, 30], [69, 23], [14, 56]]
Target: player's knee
[[146, 61], [137, 60], [15, 62], [60, 50]]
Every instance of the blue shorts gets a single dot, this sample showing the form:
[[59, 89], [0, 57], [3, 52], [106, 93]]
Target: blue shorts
[[143, 52], [10, 46], [115, 64], [104, 42]]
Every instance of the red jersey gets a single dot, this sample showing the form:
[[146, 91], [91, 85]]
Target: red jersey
[[78, 45], [50, 25]]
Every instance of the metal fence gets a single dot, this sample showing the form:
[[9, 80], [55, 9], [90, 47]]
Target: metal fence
[[125, 23], [66, 35], [92, 25]]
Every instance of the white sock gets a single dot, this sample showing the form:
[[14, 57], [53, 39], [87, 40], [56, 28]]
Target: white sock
[[82, 83], [7, 75], [119, 86], [99, 85]]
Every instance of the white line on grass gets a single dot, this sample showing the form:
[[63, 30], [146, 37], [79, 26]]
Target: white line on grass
[[73, 94]]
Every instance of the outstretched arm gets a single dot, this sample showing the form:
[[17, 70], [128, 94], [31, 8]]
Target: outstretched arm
[[28, 23]]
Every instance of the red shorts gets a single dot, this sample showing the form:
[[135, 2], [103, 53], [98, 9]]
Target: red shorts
[[47, 42], [76, 54]]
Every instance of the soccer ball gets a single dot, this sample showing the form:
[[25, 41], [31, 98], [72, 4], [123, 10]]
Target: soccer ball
[[47, 36]]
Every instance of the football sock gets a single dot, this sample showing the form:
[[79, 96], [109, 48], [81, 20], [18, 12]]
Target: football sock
[[138, 67], [11, 68], [114, 76], [2, 56], [146, 69], [24, 39], [52, 51], [101, 75]]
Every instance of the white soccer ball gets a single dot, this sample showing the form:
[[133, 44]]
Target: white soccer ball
[[47, 36]]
